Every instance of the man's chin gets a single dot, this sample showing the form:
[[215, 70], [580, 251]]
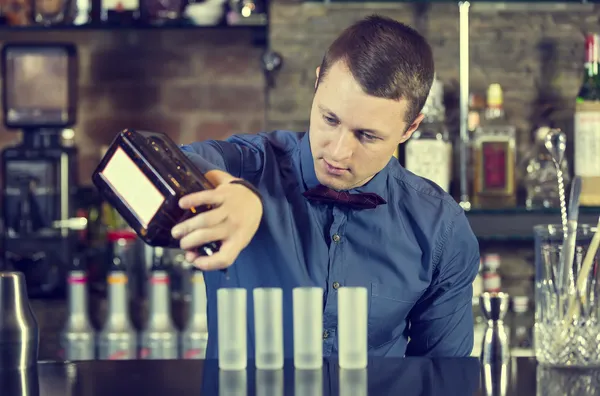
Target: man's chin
[[333, 182]]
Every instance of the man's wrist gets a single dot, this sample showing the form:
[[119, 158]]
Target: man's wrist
[[249, 186]]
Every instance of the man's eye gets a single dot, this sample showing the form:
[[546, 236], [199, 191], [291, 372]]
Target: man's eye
[[367, 136], [330, 120]]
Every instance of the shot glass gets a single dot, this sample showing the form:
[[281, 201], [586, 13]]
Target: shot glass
[[269, 382], [352, 327], [268, 328], [233, 383], [308, 327], [231, 315], [308, 382]]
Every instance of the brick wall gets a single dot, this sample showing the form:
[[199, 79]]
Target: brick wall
[[535, 51], [191, 84], [199, 84], [206, 84]]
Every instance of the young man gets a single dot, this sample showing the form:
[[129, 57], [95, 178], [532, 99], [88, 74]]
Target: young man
[[338, 210]]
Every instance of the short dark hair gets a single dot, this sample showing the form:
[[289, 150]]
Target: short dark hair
[[387, 58]]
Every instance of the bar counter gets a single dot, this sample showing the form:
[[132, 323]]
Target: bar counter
[[405, 377]]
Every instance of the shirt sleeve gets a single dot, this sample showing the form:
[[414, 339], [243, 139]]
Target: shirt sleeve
[[241, 156], [441, 323]]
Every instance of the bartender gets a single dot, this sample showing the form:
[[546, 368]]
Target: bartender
[[332, 207]]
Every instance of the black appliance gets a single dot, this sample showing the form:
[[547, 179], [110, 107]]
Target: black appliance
[[39, 178]]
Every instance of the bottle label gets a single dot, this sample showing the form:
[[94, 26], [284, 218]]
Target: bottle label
[[430, 159], [120, 5], [194, 353], [77, 279], [492, 282], [116, 350], [587, 139], [117, 278], [495, 161], [155, 349], [78, 350]]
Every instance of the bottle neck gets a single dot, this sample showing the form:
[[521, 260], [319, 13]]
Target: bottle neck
[[117, 296], [159, 295], [591, 55], [77, 281], [198, 303]]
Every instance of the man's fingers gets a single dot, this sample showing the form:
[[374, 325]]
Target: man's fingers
[[207, 219], [223, 259], [203, 236], [190, 256], [205, 197]]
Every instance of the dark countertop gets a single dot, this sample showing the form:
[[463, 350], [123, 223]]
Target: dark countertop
[[402, 377]]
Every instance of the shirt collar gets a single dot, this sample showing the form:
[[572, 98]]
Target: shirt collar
[[377, 185]]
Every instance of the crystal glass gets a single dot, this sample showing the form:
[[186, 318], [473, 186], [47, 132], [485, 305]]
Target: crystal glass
[[566, 308], [567, 382]]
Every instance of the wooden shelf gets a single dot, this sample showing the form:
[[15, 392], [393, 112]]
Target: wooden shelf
[[516, 224]]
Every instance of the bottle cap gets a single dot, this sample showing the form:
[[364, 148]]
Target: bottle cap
[[494, 95], [520, 304]]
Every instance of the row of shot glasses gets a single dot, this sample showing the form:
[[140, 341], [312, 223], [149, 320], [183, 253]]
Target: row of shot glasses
[[307, 328]]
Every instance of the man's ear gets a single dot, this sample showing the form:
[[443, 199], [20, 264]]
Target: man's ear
[[317, 74], [412, 128]]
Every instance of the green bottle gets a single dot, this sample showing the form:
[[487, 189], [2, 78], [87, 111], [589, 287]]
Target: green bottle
[[587, 126]]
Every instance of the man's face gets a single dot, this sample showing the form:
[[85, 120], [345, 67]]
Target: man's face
[[353, 135]]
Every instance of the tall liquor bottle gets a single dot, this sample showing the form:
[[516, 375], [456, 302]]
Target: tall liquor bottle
[[428, 153], [494, 155], [587, 126]]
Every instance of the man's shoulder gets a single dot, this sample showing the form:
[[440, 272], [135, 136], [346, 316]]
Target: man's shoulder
[[424, 193], [278, 140]]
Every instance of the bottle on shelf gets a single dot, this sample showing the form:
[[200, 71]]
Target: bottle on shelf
[[117, 339], [159, 338], [539, 174], [587, 126], [494, 154], [120, 12], [428, 152], [194, 337], [522, 323], [492, 282], [78, 338]]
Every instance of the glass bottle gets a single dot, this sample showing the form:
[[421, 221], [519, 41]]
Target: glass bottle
[[494, 154], [120, 12], [429, 151], [51, 12], [539, 174], [587, 126]]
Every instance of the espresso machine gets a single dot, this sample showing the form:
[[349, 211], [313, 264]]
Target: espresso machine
[[39, 178]]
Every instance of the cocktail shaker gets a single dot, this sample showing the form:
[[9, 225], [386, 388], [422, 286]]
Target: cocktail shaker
[[19, 332], [495, 352]]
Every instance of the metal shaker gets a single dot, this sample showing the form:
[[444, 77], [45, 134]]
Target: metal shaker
[[495, 349], [19, 331]]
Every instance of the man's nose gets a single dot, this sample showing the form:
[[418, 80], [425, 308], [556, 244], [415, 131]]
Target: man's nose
[[343, 146]]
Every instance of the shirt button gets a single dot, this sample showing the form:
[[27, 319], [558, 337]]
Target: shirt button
[[325, 334], [336, 238], [336, 285]]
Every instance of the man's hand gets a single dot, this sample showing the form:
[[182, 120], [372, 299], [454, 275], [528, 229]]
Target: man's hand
[[234, 220]]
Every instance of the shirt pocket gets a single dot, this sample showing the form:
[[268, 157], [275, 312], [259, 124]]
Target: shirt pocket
[[389, 307]]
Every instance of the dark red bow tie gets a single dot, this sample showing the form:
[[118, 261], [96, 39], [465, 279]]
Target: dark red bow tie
[[322, 193]]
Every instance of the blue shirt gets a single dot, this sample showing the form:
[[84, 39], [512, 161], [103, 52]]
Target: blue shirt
[[416, 255]]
